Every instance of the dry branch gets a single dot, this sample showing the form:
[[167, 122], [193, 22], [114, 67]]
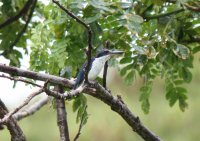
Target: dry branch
[[98, 92], [32, 109], [20, 79], [14, 129], [23, 11], [62, 116], [9, 115]]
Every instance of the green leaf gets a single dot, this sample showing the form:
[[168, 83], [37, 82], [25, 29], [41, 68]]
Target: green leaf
[[181, 51], [125, 69], [125, 5], [130, 77], [187, 75], [76, 104], [169, 93], [182, 102], [196, 49], [145, 93], [181, 90], [145, 106], [92, 19], [178, 82], [126, 60], [173, 98], [79, 114], [144, 96], [100, 4]]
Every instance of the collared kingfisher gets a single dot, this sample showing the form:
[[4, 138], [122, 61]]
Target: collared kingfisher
[[97, 64]]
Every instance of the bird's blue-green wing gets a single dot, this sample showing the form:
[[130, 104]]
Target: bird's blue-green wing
[[81, 75]]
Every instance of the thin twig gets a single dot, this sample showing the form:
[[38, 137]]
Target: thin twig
[[89, 31], [192, 8], [105, 67], [81, 124], [19, 35], [7, 116], [164, 14], [20, 79], [32, 109], [66, 95], [23, 11]]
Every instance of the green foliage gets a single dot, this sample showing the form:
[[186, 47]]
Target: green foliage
[[144, 97], [175, 92], [79, 106], [154, 45]]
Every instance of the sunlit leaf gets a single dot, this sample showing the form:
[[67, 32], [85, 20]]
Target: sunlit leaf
[[181, 51]]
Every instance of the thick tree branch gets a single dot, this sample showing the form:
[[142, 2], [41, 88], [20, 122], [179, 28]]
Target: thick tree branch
[[32, 109], [14, 129], [62, 116], [36, 76], [89, 31], [119, 106], [23, 11], [98, 92]]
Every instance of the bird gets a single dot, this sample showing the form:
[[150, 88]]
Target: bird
[[96, 65]]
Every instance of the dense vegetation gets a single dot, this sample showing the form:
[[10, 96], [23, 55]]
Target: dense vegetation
[[159, 38]]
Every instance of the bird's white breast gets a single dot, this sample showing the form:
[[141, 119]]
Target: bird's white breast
[[97, 66]]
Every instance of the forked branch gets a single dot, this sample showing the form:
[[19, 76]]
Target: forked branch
[[98, 92], [89, 31]]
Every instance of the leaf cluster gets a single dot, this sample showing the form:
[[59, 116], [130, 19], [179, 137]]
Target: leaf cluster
[[159, 38]]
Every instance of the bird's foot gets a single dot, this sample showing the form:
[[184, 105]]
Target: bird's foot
[[92, 83]]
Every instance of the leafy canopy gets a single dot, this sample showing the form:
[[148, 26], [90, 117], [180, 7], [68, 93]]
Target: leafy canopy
[[159, 38]]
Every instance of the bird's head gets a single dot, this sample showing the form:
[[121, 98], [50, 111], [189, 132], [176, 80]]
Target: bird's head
[[108, 53]]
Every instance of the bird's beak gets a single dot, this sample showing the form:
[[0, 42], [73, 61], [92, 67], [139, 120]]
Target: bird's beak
[[116, 52]]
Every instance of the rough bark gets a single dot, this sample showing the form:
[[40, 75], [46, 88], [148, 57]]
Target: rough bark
[[96, 91]]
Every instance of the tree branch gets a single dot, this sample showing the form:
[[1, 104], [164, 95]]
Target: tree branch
[[81, 124], [20, 14], [61, 116], [67, 95], [98, 92], [105, 67], [19, 35], [164, 14], [188, 6], [120, 107], [32, 109], [36, 76], [89, 31], [20, 79], [8, 115], [192, 8], [14, 129]]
